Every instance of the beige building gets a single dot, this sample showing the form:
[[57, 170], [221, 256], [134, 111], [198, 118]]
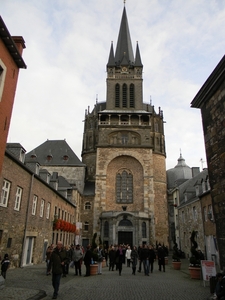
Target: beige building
[[125, 195]]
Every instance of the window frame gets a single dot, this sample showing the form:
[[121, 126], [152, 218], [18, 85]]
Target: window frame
[[42, 208], [19, 192], [5, 193], [34, 205]]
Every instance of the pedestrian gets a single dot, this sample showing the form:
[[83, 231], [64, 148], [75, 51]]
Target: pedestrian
[[106, 254], [100, 259], [77, 258], [161, 258], [134, 259], [120, 258], [112, 258], [145, 255], [128, 255], [48, 256], [87, 260], [220, 287], [5, 263], [152, 257], [139, 255], [57, 261]]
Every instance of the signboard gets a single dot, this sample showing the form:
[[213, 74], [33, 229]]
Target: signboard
[[208, 269]]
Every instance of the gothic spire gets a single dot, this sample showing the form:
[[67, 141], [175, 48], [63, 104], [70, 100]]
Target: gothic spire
[[138, 62], [111, 61], [124, 51]]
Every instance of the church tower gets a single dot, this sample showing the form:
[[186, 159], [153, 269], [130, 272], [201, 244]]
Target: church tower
[[124, 151]]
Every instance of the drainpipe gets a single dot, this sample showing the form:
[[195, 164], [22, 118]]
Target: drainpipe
[[26, 221]]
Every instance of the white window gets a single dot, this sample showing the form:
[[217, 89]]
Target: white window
[[18, 198], [5, 193], [34, 205], [42, 208], [48, 210], [2, 77], [194, 213], [87, 205]]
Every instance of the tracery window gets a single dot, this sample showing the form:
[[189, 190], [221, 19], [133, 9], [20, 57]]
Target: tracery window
[[132, 95], [124, 187], [117, 95], [124, 95]]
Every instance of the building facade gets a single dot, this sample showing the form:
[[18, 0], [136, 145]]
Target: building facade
[[211, 100], [124, 151], [34, 211], [11, 61]]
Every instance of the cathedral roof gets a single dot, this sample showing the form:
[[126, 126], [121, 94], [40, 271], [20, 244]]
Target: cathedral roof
[[180, 173], [54, 153]]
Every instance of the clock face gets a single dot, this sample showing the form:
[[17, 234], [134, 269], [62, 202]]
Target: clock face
[[124, 69]]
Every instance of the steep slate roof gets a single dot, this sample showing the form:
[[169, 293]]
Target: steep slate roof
[[211, 84], [11, 45], [124, 51], [54, 153]]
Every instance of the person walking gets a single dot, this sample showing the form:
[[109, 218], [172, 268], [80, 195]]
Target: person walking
[[139, 255], [48, 256], [128, 255], [112, 258], [152, 257], [161, 258], [134, 259], [77, 258], [120, 258], [100, 259], [145, 258], [87, 260], [5, 263], [57, 261]]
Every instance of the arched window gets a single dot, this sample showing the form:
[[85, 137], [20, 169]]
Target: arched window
[[124, 95], [117, 95], [106, 229], [124, 187], [144, 235], [87, 205], [132, 95]]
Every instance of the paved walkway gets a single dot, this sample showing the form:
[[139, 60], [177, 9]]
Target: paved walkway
[[32, 283]]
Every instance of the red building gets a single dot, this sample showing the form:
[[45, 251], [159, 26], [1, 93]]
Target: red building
[[11, 48]]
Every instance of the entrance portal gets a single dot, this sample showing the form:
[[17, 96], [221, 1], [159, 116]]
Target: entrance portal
[[125, 237]]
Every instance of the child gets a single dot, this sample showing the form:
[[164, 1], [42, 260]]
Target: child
[[5, 265]]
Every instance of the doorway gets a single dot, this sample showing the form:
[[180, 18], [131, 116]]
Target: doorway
[[125, 237]]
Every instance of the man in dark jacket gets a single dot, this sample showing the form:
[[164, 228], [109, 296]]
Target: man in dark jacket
[[57, 261], [87, 260], [161, 258]]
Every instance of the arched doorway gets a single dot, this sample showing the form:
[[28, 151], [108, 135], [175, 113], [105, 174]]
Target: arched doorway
[[125, 232]]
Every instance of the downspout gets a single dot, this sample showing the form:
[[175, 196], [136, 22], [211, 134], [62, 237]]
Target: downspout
[[26, 221]]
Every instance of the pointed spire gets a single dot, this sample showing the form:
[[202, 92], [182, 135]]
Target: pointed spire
[[111, 61], [138, 62], [124, 50]]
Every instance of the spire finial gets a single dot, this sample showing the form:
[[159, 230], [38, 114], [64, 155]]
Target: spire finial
[[180, 153], [124, 1]]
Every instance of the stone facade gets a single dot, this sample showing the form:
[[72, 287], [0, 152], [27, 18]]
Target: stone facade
[[211, 100], [124, 151]]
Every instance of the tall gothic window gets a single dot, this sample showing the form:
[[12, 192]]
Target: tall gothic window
[[106, 229], [124, 187], [144, 235], [124, 95], [132, 95], [117, 95]]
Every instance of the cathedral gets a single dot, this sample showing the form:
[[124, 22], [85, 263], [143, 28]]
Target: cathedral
[[125, 192]]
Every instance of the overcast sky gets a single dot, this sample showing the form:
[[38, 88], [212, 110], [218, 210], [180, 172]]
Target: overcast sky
[[67, 49]]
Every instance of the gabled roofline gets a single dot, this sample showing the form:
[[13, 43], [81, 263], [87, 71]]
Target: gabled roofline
[[210, 85]]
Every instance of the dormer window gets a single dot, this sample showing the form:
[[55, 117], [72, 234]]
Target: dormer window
[[49, 157], [66, 157]]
